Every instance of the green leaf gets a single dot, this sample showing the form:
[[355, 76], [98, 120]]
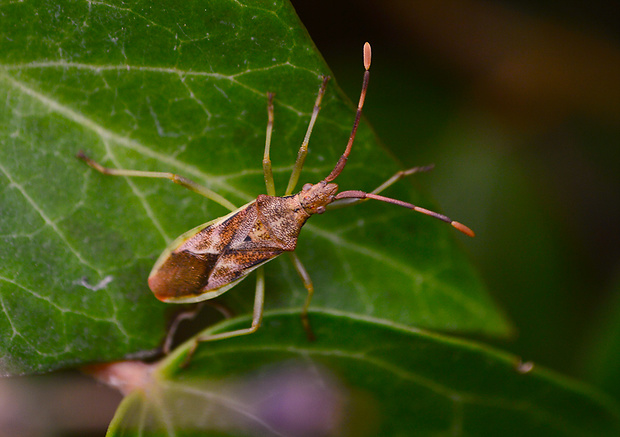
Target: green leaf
[[603, 357], [181, 87], [373, 378]]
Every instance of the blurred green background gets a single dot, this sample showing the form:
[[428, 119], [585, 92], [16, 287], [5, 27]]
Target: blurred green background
[[518, 105]]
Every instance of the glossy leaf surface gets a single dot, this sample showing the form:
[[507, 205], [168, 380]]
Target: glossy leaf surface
[[182, 87]]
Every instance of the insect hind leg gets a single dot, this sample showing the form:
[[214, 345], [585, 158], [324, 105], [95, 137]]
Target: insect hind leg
[[257, 318], [180, 180], [190, 315]]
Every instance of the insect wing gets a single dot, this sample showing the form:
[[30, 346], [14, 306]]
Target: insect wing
[[181, 239], [210, 259]]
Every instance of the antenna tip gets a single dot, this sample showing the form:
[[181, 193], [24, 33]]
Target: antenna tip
[[464, 229], [367, 55]]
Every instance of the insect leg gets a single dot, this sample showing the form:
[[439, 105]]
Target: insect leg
[[190, 315], [257, 315], [184, 182], [391, 181], [185, 315], [305, 277], [303, 150], [400, 175], [271, 188]]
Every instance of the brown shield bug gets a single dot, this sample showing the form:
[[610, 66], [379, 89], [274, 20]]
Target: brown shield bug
[[212, 258]]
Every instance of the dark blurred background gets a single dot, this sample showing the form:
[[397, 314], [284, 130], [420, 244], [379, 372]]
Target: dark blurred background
[[518, 105]]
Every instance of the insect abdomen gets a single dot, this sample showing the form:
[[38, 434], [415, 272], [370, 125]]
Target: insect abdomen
[[182, 275]]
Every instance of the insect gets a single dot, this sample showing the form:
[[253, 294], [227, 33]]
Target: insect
[[212, 258]]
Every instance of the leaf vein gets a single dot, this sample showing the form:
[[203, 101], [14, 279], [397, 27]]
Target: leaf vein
[[48, 221]]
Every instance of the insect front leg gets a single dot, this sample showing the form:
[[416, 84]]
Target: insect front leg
[[268, 172], [303, 150], [400, 175], [388, 183], [180, 180], [305, 277]]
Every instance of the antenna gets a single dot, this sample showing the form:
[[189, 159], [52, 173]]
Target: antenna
[[343, 159], [356, 194]]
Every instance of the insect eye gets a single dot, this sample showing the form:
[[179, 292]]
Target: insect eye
[[320, 210], [306, 187]]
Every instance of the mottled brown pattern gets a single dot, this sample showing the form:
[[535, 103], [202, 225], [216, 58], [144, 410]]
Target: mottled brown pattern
[[229, 250], [283, 218]]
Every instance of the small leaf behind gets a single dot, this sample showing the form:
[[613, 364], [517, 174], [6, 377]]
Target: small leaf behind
[[382, 378]]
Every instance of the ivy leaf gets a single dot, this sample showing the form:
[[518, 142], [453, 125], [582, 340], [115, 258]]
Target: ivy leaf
[[361, 377], [603, 361], [181, 87]]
